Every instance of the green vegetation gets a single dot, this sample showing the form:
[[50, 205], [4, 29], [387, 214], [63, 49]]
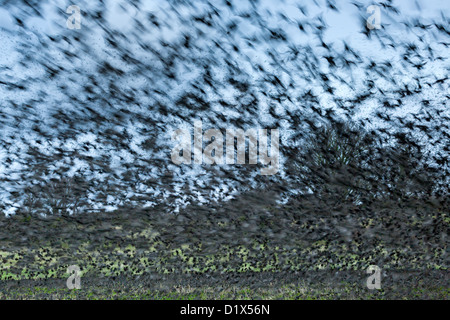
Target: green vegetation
[[119, 256], [133, 291]]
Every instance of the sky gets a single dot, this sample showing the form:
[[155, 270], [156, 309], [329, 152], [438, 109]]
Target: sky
[[344, 25]]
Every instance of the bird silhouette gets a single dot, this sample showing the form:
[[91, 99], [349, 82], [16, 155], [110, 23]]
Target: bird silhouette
[[87, 119]]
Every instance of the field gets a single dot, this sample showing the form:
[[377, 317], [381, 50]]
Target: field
[[149, 256]]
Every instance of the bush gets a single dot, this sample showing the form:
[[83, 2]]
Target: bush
[[344, 163], [60, 197], [330, 160]]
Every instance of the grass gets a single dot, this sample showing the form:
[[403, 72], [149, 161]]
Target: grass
[[134, 290], [128, 262], [114, 272]]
